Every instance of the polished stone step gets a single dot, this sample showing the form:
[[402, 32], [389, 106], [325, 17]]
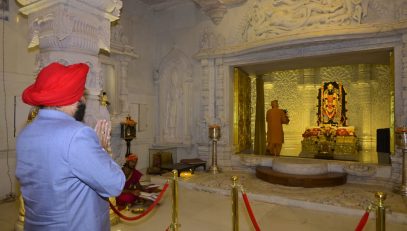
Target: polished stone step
[[307, 181], [299, 166]]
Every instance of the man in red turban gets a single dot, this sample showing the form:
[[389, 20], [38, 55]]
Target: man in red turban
[[59, 86], [62, 166]]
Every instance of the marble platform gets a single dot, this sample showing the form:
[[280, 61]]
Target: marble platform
[[357, 172], [349, 199]]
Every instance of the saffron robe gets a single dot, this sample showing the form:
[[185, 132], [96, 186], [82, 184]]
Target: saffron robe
[[275, 118]]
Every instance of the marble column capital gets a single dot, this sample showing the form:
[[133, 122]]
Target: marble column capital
[[110, 8], [74, 25]]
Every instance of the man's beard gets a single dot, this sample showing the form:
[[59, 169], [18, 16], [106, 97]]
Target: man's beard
[[80, 111]]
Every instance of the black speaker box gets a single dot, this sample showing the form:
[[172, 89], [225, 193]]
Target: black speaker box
[[383, 140]]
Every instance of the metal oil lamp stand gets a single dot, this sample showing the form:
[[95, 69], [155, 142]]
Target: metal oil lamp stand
[[401, 142], [128, 132], [214, 135]]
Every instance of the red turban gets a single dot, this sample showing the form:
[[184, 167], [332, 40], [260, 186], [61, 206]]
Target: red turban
[[131, 157], [57, 85]]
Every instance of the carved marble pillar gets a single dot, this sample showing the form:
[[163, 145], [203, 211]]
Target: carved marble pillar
[[404, 81], [219, 92], [121, 59], [220, 112], [397, 159], [73, 31], [203, 148], [124, 94], [156, 81], [123, 53], [211, 68]]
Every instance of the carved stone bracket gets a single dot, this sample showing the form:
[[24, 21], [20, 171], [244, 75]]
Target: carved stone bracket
[[216, 9]]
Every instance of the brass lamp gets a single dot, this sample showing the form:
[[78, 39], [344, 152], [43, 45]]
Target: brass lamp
[[128, 132], [214, 135]]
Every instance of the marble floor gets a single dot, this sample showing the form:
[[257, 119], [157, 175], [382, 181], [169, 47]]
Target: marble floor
[[205, 205]]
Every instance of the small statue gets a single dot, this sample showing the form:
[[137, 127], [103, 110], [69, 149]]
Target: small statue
[[103, 99]]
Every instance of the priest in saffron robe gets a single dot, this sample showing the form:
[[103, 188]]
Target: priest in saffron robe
[[275, 118]]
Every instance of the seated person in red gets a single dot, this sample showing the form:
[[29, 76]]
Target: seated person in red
[[132, 187]]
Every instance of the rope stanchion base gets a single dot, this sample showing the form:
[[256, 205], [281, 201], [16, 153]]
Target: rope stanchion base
[[148, 210]]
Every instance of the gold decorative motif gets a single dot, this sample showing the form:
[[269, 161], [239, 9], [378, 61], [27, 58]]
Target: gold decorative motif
[[103, 99], [242, 109]]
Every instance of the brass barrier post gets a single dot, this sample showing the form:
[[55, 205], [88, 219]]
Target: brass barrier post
[[174, 225], [380, 211], [235, 204]]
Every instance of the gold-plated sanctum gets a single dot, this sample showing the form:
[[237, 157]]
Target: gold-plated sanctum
[[214, 135], [235, 204], [380, 211], [174, 225]]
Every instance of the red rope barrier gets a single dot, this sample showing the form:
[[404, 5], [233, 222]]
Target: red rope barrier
[[250, 211], [362, 221], [145, 212]]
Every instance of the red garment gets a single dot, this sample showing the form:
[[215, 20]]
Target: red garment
[[57, 85], [125, 197]]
